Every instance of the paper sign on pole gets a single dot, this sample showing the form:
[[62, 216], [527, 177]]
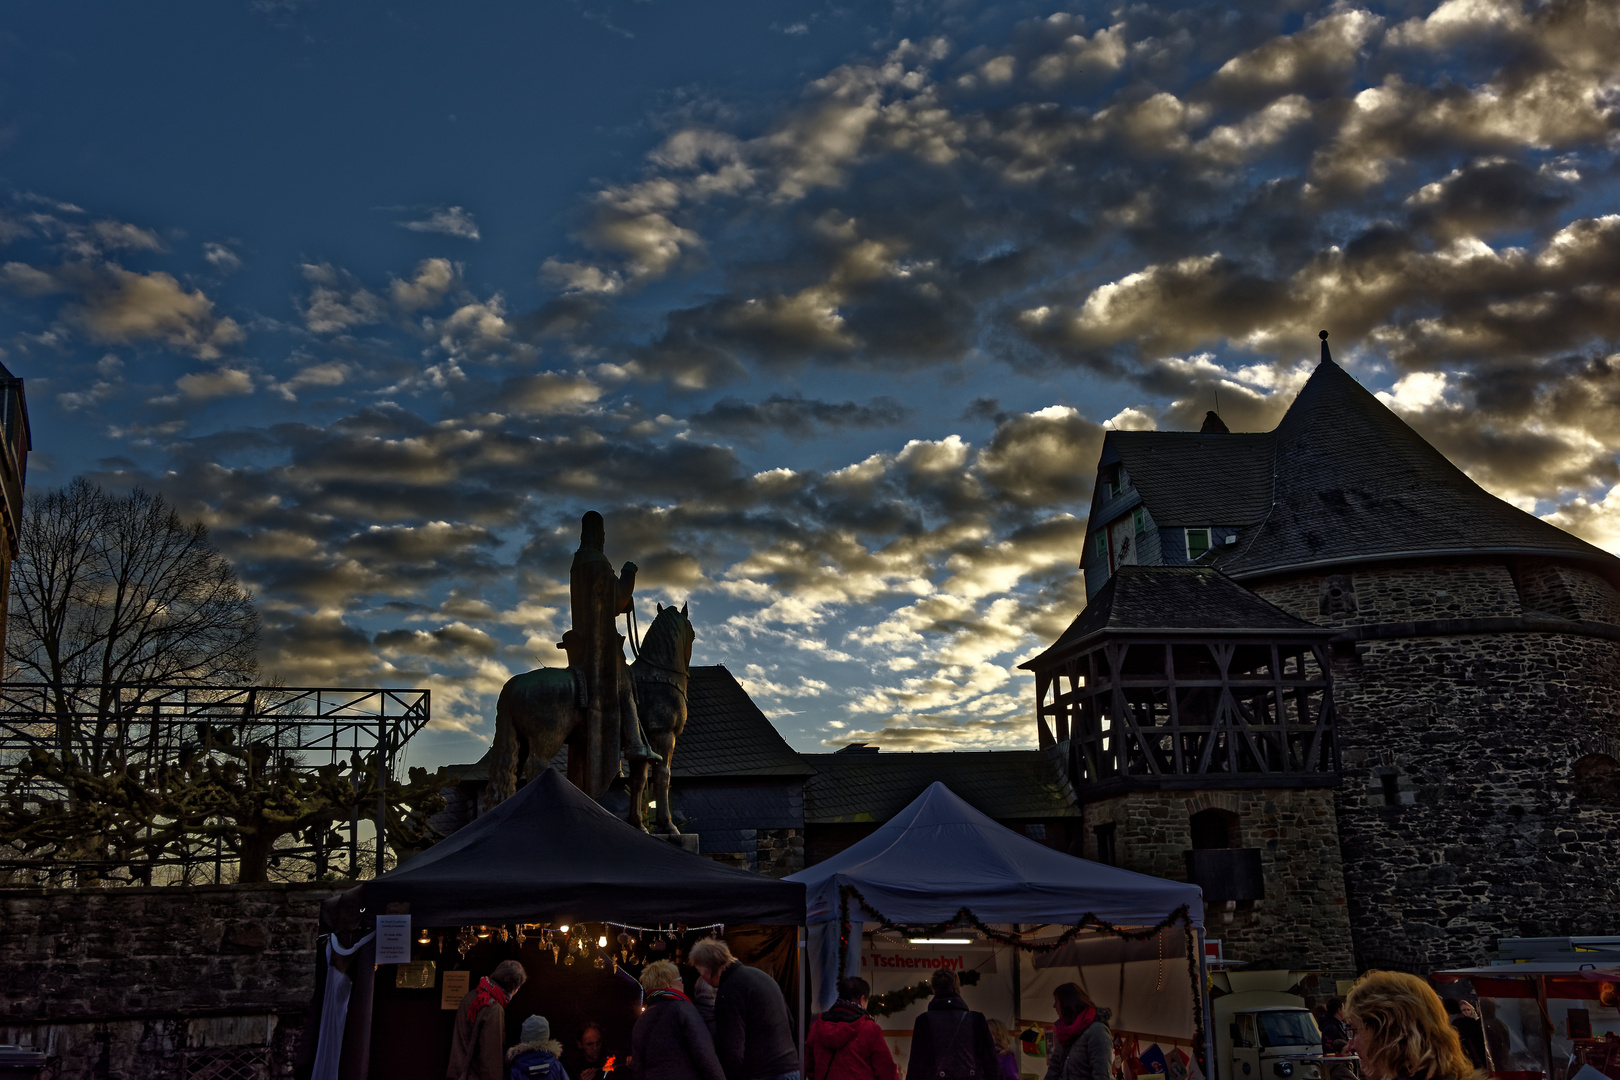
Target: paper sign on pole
[[456, 985], [393, 939]]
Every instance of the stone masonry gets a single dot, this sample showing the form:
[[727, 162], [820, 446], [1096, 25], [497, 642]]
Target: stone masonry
[[1303, 920], [131, 983], [1466, 692], [779, 852]]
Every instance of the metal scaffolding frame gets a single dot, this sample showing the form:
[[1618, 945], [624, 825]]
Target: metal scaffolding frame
[[142, 727]]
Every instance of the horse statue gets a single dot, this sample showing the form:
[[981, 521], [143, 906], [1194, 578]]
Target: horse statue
[[539, 710], [660, 677]]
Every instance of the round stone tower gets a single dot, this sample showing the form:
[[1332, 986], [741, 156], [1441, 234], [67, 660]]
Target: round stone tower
[[1474, 654]]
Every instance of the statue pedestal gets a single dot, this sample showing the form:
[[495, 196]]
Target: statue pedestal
[[687, 842]]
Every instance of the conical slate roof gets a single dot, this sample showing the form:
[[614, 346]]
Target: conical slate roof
[[1145, 599], [1354, 482]]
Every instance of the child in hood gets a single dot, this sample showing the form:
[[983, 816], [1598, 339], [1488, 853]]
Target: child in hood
[[844, 1043], [535, 1056]]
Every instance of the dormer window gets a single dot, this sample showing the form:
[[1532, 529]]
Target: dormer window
[[1113, 481], [1197, 543]]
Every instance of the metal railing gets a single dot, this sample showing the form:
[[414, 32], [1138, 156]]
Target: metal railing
[[137, 730]]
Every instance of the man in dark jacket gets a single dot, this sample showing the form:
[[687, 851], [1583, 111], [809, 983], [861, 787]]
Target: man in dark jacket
[[950, 1041], [845, 1043], [753, 1033]]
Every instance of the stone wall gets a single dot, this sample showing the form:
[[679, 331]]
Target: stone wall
[[131, 983], [779, 852], [1303, 921], [1404, 592], [1572, 592], [1457, 813]]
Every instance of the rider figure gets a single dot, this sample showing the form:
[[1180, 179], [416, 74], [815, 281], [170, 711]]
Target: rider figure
[[596, 648]]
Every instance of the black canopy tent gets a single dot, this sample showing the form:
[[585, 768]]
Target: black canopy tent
[[551, 854]]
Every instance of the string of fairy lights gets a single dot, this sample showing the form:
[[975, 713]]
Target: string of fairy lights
[[601, 945]]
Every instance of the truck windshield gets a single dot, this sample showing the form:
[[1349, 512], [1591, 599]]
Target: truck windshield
[[1293, 1027]]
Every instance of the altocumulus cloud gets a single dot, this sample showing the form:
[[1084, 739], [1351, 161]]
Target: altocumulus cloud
[[936, 274]]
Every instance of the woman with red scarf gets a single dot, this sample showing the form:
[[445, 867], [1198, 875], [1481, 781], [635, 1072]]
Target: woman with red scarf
[[1082, 1046], [670, 1040]]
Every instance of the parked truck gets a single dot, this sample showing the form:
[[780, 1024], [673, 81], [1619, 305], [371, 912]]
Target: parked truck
[[1263, 1032]]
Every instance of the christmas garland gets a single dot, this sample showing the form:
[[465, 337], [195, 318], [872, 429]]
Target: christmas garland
[[905, 997], [965, 917]]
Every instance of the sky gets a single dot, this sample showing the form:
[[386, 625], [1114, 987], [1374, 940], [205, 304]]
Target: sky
[[825, 307]]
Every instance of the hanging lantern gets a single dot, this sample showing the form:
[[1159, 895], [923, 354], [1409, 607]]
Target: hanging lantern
[[568, 961]]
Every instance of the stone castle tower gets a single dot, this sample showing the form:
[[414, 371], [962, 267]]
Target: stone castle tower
[[1369, 706]]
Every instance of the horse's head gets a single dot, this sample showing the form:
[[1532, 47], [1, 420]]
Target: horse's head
[[670, 636]]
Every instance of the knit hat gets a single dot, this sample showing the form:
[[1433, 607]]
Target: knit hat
[[536, 1029]]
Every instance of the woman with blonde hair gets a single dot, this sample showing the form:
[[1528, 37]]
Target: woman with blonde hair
[[1398, 1027], [670, 1040], [1001, 1035]]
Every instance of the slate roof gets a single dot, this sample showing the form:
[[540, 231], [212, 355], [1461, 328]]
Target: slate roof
[[1010, 785], [727, 735], [1354, 481], [1191, 479], [1341, 479], [1139, 599]]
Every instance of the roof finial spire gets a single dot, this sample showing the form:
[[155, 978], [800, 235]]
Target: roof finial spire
[[1327, 357]]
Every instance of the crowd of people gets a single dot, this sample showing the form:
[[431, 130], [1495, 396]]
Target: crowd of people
[[736, 1025]]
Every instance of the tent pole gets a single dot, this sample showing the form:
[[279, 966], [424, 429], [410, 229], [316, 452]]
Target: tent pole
[[804, 978]]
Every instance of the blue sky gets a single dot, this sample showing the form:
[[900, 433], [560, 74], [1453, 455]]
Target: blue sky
[[825, 308]]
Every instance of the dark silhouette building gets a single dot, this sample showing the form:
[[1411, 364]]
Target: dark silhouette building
[[1328, 676]]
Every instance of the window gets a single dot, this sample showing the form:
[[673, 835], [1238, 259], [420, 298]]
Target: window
[[1101, 545], [1289, 1027], [1197, 542], [1139, 517], [1112, 484], [1214, 829]]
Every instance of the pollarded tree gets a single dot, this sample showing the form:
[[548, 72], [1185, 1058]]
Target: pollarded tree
[[112, 590]]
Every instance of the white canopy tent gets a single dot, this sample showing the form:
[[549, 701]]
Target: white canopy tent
[[940, 862]]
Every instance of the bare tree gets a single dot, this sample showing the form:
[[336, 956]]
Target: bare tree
[[113, 590]]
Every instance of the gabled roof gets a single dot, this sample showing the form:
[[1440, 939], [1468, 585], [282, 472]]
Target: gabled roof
[[727, 735], [1355, 482], [1192, 479], [1144, 599], [1011, 785]]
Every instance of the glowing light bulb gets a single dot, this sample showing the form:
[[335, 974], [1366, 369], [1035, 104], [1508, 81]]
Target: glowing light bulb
[[563, 929], [601, 942]]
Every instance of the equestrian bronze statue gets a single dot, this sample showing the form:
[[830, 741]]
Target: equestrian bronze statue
[[591, 706]]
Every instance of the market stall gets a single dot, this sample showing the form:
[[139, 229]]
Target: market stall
[[549, 878], [941, 884], [1546, 1018]]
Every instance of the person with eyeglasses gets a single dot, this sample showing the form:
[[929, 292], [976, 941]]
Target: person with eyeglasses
[[1398, 1028]]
